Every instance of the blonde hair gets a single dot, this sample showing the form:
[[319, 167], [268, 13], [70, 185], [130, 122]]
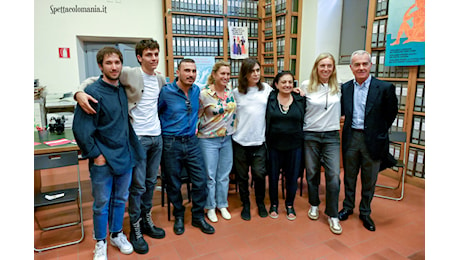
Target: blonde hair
[[314, 78], [215, 68]]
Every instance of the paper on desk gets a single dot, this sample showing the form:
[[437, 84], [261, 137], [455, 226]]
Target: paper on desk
[[35, 143], [57, 142], [55, 196]]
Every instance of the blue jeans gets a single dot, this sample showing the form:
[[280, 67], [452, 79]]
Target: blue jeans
[[290, 162], [218, 159], [145, 178], [184, 152], [323, 149], [110, 192]]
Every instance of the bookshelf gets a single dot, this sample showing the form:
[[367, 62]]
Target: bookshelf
[[410, 89], [280, 37], [200, 28]]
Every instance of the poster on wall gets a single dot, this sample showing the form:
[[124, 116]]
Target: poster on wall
[[237, 39], [405, 42], [204, 66]]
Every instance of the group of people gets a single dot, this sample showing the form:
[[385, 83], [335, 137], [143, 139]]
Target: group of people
[[129, 121]]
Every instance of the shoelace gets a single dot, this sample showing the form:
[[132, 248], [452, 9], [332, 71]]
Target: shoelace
[[99, 250], [137, 229], [148, 218]]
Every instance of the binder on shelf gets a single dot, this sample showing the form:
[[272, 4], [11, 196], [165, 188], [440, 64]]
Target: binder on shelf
[[403, 96], [416, 127], [410, 168], [378, 8], [375, 31], [384, 8], [420, 163], [421, 72], [382, 33], [381, 65], [374, 55], [422, 131], [419, 103]]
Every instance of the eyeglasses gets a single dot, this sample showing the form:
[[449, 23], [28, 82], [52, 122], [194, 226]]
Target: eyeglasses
[[189, 106]]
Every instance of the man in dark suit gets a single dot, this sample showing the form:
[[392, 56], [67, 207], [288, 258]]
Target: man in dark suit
[[370, 107]]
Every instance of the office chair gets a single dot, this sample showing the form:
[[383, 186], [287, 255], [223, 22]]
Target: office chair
[[185, 178], [56, 160], [397, 138]]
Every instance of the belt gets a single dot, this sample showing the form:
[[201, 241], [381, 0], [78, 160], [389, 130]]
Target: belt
[[179, 138]]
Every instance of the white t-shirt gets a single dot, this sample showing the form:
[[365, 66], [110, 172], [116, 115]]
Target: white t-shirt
[[323, 109], [145, 113], [250, 115]]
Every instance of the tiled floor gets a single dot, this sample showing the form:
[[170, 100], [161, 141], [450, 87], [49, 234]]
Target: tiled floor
[[400, 231]]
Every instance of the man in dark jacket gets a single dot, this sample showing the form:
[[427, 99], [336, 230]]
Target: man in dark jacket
[[370, 107], [108, 140]]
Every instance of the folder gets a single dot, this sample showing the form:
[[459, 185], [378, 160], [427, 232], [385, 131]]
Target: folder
[[381, 65], [420, 164], [378, 8], [374, 55], [384, 8], [375, 32], [418, 103], [398, 94], [421, 72], [382, 33], [403, 96], [400, 127], [422, 131], [411, 162], [416, 130]]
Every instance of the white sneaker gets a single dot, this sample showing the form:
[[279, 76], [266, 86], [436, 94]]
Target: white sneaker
[[313, 212], [225, 214], [334, 225], [100, 251], [122, 243], [212, 215]]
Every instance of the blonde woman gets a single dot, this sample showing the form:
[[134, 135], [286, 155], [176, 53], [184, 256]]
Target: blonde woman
[[321, 137], [215, 127]]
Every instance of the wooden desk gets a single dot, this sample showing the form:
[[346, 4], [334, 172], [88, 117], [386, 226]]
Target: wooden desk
[[45, 149]]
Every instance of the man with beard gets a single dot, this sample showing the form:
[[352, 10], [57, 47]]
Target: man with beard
[[178, 109], [108, 140]]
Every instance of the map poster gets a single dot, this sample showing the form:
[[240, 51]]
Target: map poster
[[405, 36], [238, 41], [204, 66]]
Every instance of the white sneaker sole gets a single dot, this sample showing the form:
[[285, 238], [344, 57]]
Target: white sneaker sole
[[333, 230], [126, 251], [311, 216]]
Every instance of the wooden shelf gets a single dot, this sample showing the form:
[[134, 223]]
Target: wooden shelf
[[411, 81]]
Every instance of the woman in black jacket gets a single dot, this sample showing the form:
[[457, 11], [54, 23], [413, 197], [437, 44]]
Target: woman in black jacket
[[284, 119]]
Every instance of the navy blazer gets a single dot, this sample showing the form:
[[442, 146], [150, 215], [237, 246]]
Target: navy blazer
[[381, 111]]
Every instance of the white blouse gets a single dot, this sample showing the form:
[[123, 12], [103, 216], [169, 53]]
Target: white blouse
[[323, 109]]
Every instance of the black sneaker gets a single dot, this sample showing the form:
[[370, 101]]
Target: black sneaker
[[137, 240], [246, 212]]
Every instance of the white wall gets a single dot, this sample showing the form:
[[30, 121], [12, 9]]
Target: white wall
[[321, 28], [124, 19]]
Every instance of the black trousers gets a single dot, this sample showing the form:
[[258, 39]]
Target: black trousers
[[358, 158], [254, 157]]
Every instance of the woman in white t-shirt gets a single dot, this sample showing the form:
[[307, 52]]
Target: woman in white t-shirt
[[249, 149], [322, 138]]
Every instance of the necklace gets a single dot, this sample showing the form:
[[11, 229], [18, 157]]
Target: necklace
[[327, 94], [284, 109]]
